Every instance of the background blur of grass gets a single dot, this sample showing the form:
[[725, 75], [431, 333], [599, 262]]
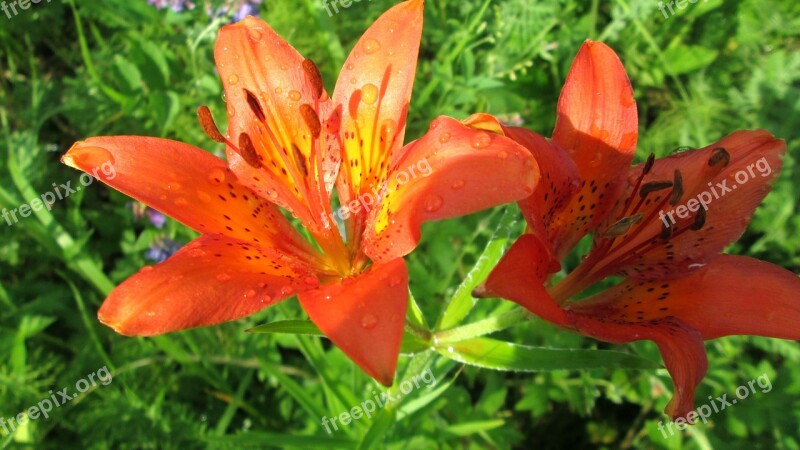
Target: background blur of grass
[[70, 71]]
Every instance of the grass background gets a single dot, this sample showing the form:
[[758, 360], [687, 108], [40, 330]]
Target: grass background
[[73, 69]]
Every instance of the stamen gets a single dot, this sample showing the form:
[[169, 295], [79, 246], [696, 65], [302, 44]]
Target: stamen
[[622, 226], [300, 160], [649, 164], [314, 77], [248, 151], [208, 125], [699, 219], [255, 106], [311, 119], [677, 189], [719, 155], [653, 186]]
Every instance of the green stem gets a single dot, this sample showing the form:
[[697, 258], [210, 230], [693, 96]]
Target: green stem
[[482, 327]]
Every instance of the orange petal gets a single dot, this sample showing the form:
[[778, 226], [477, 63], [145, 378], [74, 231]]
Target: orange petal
[[519, 277], [598, 127], [731, 295], [681, 347], [451, 171], [755, 157], [373, 92], [559, 181], [277, 99], [364, 316], [187, 184], [213, 279]]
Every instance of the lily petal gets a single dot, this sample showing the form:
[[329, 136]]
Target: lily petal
[[451, 171], [559, 181], [364, 316], [519, 276], [681, 347], [211, 280], [747, 164], [732, 295], [597, 126], [276, 99], [187, 184], [373, 93]]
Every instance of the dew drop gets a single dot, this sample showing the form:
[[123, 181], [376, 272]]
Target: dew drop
[[395, 281], [216, 176], [151, 314], [173, 186], [231, 111], [369, 93], [350, 66], [449, 349], [481, 140], [254, 35], [369, 321], [433, 203], [294, 95], [444, 137], [286, 290], [180, 201], [458, 184], [266, 299], [223, 277], [233, 79], [502, 154], [204, 197], [146, 269], [311, 281], [196, 253], [250, 294], [371, 46]]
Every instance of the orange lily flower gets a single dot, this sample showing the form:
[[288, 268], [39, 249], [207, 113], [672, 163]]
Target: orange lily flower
[[285, 143], [661, 224]]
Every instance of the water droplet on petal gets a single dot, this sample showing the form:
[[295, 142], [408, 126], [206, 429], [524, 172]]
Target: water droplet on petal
[[180, 201], [146, 269], [231, 110], [223, 277], [369, 93], [216, 176], [395, 281], [502, 154], [151, 314], [371, 46], [311, 281], [286, 290], [233, 79], [350, 66], [204, 197], [173, 186], [449, 349], [458, 184], [433, 203], [369, 321], [254, 35], [444, 137], [266, 299], [250, 294], [294, 95], [196, 253], [481, 140]]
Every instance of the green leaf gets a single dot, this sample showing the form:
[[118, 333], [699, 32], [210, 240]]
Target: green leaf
[[467, 428], [500, 355], [287, 326]]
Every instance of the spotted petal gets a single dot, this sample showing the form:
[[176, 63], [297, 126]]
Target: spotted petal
[[211, 280]]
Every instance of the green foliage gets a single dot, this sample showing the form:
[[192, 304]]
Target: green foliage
[[77, 68]]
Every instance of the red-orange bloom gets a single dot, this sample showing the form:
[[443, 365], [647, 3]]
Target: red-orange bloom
[[286, 141], [661, 224]]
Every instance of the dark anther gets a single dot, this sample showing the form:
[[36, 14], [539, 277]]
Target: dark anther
[[649, 164], [653, 186], [719, 155], [311, 119], [622, 226], [255, 106], [300, 160], [699, 219], [677, 188], [248, 151], [209, 127], [314, 77]]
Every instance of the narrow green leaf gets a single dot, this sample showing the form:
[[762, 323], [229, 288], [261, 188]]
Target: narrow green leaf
[[467, 428], [500, 355]]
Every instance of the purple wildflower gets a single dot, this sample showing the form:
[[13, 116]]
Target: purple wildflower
[[235, 9], [161, 249], [175, 5], [155, 217]]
